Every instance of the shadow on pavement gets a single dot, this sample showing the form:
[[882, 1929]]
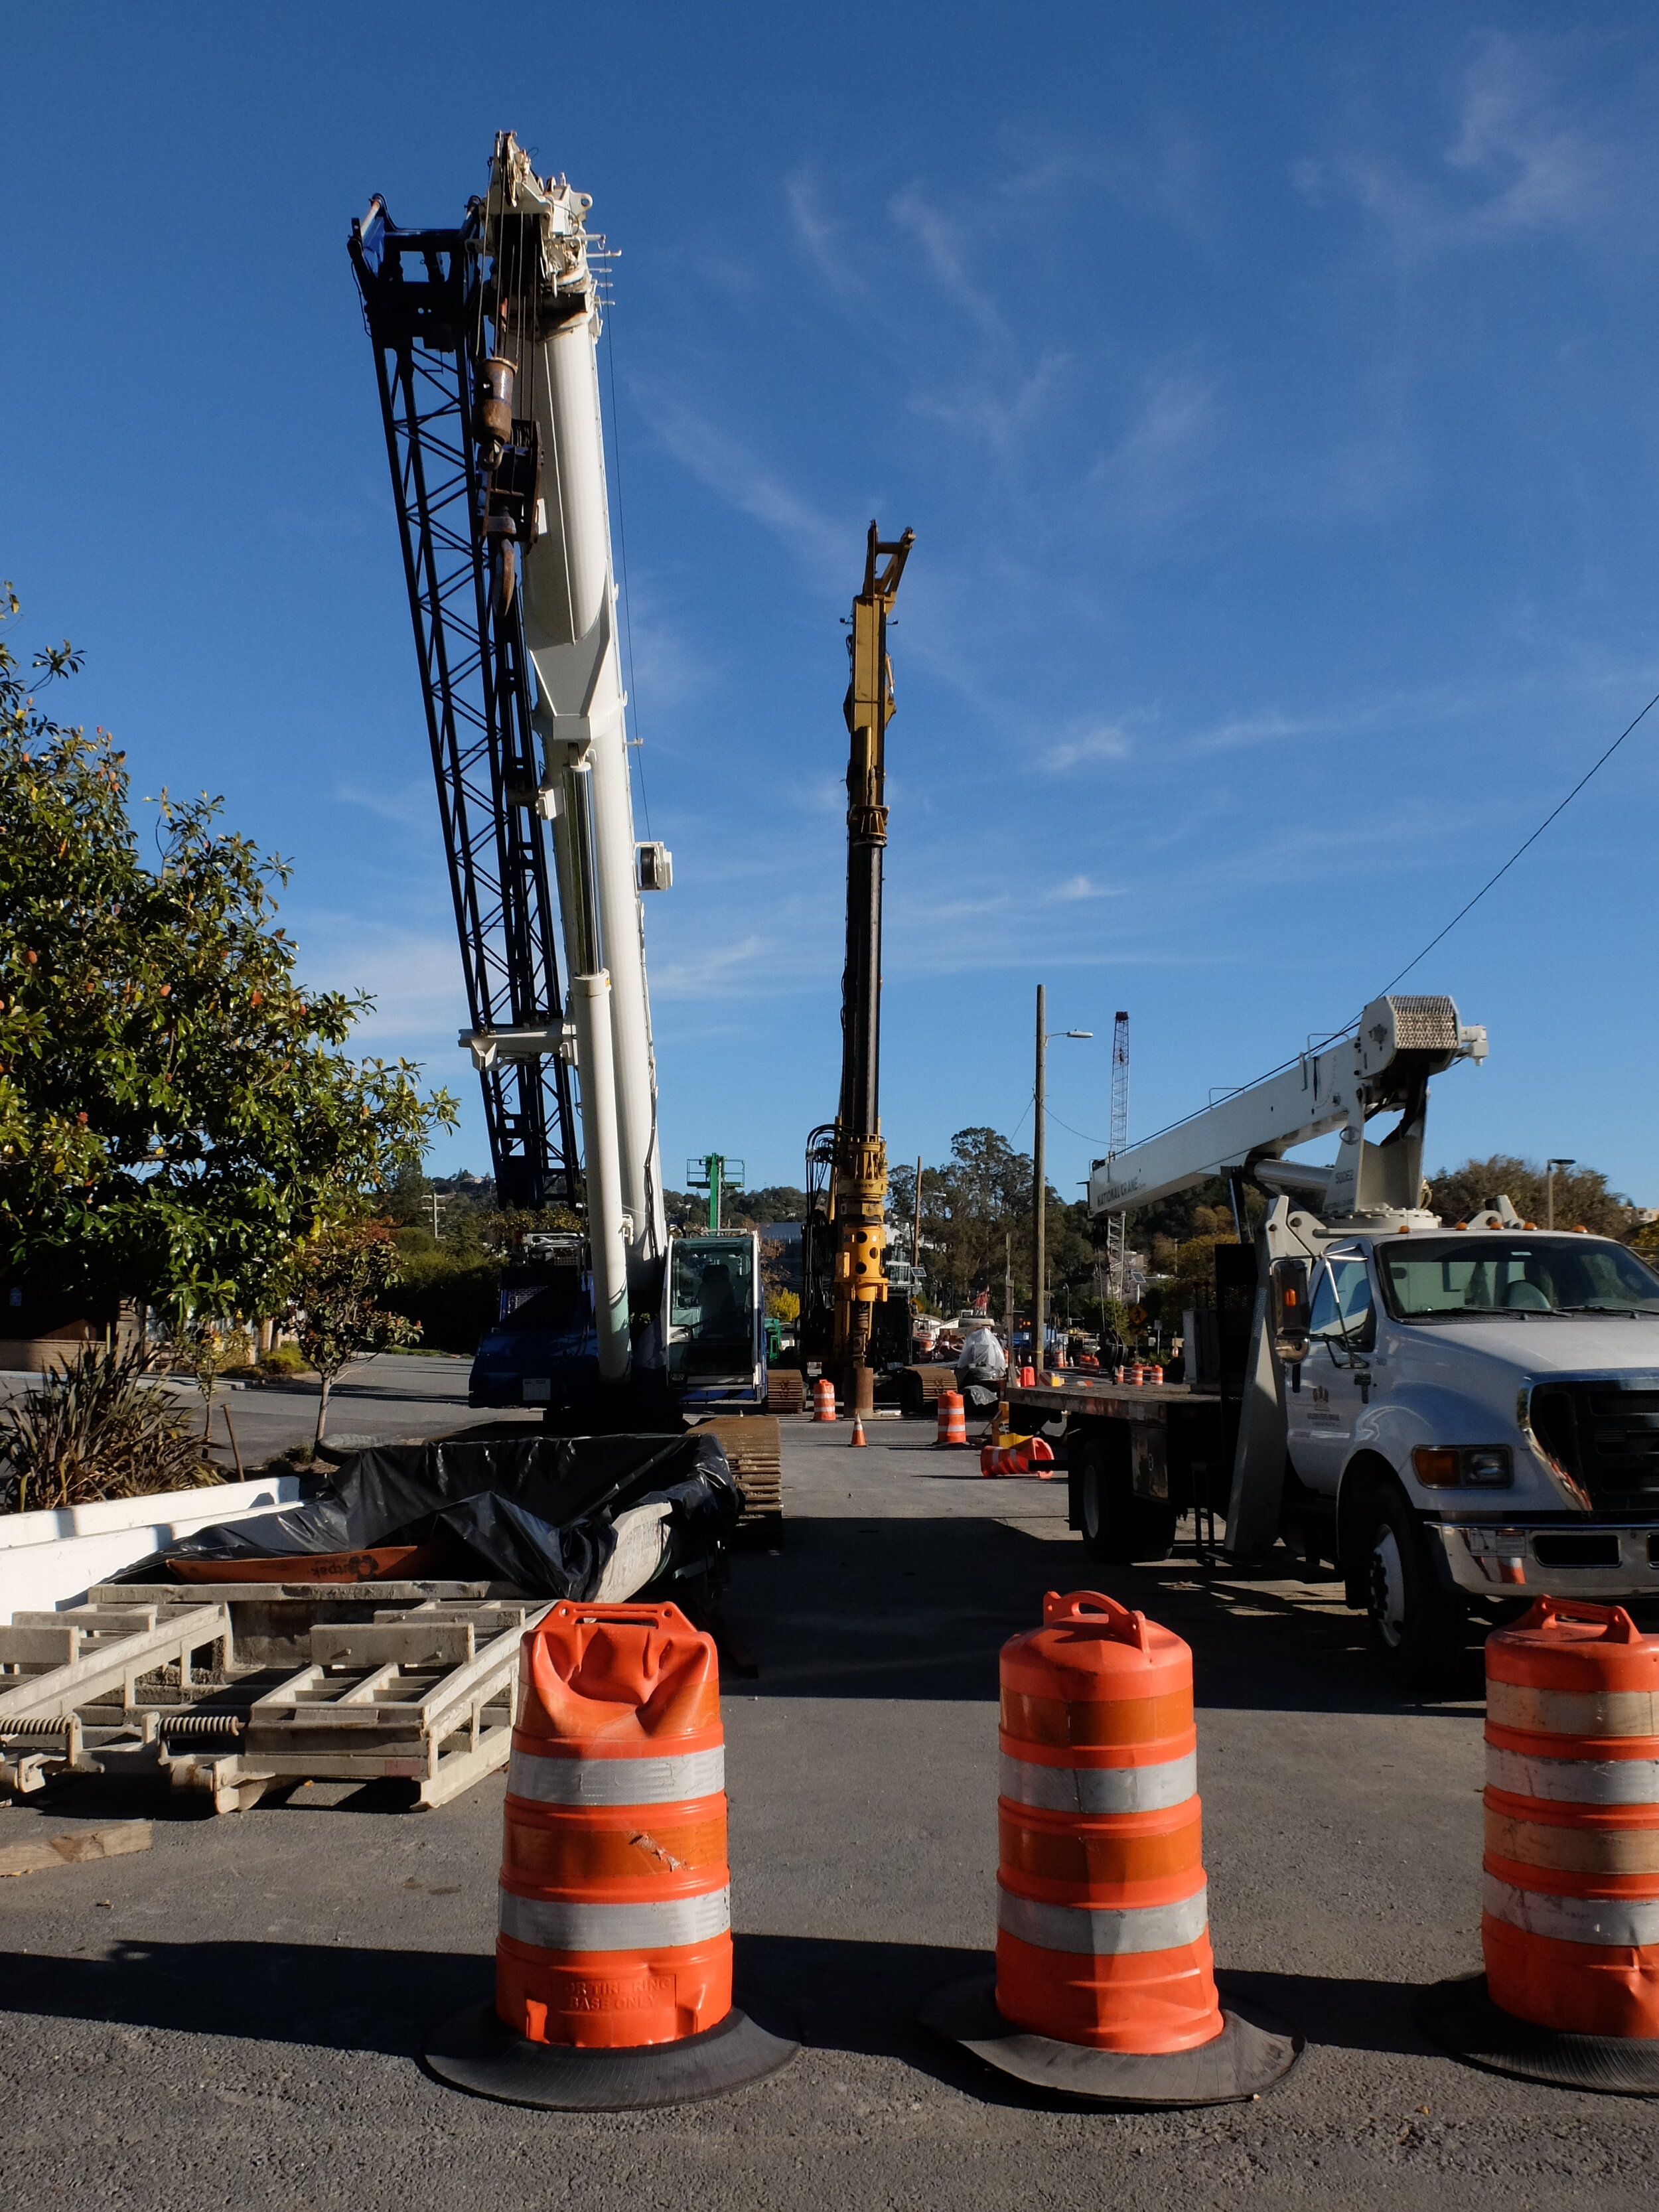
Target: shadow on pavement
[[834, 1994], [328, 1994], [919, 1607]]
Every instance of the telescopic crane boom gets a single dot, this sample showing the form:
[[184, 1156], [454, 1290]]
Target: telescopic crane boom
[[485, 339], [1384, 1066]]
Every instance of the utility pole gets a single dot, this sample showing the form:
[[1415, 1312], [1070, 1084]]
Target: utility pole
[[1008, 1292], [1550, 1166], [915, 1233]]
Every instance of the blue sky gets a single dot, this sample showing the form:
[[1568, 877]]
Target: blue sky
[[1272, 391]]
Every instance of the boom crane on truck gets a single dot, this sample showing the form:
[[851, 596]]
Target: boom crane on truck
[[485, 341], [1457, 1416]]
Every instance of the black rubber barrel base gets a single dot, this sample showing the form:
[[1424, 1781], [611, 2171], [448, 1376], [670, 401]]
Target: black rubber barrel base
[[1462, 2018], [1243, 2060], [475, 2050]]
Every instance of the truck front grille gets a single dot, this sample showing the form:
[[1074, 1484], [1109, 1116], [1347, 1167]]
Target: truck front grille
[[1606, 1435]]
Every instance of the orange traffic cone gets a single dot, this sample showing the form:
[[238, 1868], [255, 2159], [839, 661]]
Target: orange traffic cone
[[1104, 1984], [1019, 1455], [857, 1436], [1571, 1926], [613, 1967]]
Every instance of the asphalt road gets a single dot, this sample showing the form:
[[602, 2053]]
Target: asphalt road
[[389, 1400], [235, 2018]]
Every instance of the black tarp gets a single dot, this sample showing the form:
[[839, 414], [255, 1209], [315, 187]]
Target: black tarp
[[538, 1513]]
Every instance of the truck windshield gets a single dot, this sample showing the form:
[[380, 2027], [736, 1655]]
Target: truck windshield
[[1500, 1274]]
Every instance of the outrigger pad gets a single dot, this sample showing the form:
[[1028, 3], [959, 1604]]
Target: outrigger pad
[[1462, 2018], [1240, 2063], [475, 2050]]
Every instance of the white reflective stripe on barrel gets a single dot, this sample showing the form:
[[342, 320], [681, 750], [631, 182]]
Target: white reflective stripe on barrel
[[1618, 1921], [615, 1781], [1100, 1789], [1573, 1712], [1574, 1781], [552, 1924], [1103, 1931]]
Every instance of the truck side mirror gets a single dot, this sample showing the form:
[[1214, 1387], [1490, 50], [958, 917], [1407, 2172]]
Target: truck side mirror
[[1287, 1297]]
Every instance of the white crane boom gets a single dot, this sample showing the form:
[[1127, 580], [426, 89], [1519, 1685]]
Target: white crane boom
[[545, 307], [1385, 1066]]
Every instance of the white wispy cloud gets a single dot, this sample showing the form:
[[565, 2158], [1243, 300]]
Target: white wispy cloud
[[413, 976], [736, 473], [1524, 158], [1268, 726], [1094, 741], [414, 804], [1157, 469], [1080, 887]]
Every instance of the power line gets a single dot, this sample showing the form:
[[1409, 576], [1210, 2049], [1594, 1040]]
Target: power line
[[1594, 770]]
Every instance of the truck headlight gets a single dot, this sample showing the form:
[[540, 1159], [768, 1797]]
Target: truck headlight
[[1461, 1467]]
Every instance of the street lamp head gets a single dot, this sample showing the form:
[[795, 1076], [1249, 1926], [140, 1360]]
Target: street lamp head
[[1079, 1033], [1561, 1164]]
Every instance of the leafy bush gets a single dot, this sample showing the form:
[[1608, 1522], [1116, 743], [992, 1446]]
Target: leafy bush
[[453, 1303], [93, 1429], [283, 1360]]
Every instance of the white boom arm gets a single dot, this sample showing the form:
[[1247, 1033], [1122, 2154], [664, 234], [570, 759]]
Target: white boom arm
[[548, 318], [1399, 1043]]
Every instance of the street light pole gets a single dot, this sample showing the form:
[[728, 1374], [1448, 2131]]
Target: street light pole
[[1040, 1189], [1550, 1166], [1039, 1184]]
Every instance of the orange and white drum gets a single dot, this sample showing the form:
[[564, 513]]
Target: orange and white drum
[[1102, 1926], [1570, 1925], [615, 1891]]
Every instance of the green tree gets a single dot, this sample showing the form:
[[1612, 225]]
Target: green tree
[[975, 1210], [1583, 1199], [175, 1108], [337, 1279]]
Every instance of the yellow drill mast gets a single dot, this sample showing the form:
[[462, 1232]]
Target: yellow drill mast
[[859, 1187]]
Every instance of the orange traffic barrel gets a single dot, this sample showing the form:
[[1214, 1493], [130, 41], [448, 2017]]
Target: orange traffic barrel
[[1570, 1920], [952, 1419], [1104, 1984], [824, 1400], [615, 1918]]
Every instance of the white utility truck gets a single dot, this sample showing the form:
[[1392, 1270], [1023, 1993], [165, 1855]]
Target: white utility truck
[[1458, 1416]]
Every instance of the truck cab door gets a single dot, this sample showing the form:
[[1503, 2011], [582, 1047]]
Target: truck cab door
[[1336, 1373]]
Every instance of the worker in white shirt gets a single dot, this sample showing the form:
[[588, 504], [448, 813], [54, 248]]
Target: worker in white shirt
[[980, 1365]]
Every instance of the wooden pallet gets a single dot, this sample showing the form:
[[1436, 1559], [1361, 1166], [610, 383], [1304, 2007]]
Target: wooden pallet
[[753, 1445], [309, 1683]]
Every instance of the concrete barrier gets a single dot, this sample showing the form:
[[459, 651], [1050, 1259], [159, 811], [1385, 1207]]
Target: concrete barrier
[[51, 1559]]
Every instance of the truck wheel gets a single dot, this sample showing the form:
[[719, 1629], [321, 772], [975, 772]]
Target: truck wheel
[[1416, 1629], [1118, 1528]]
